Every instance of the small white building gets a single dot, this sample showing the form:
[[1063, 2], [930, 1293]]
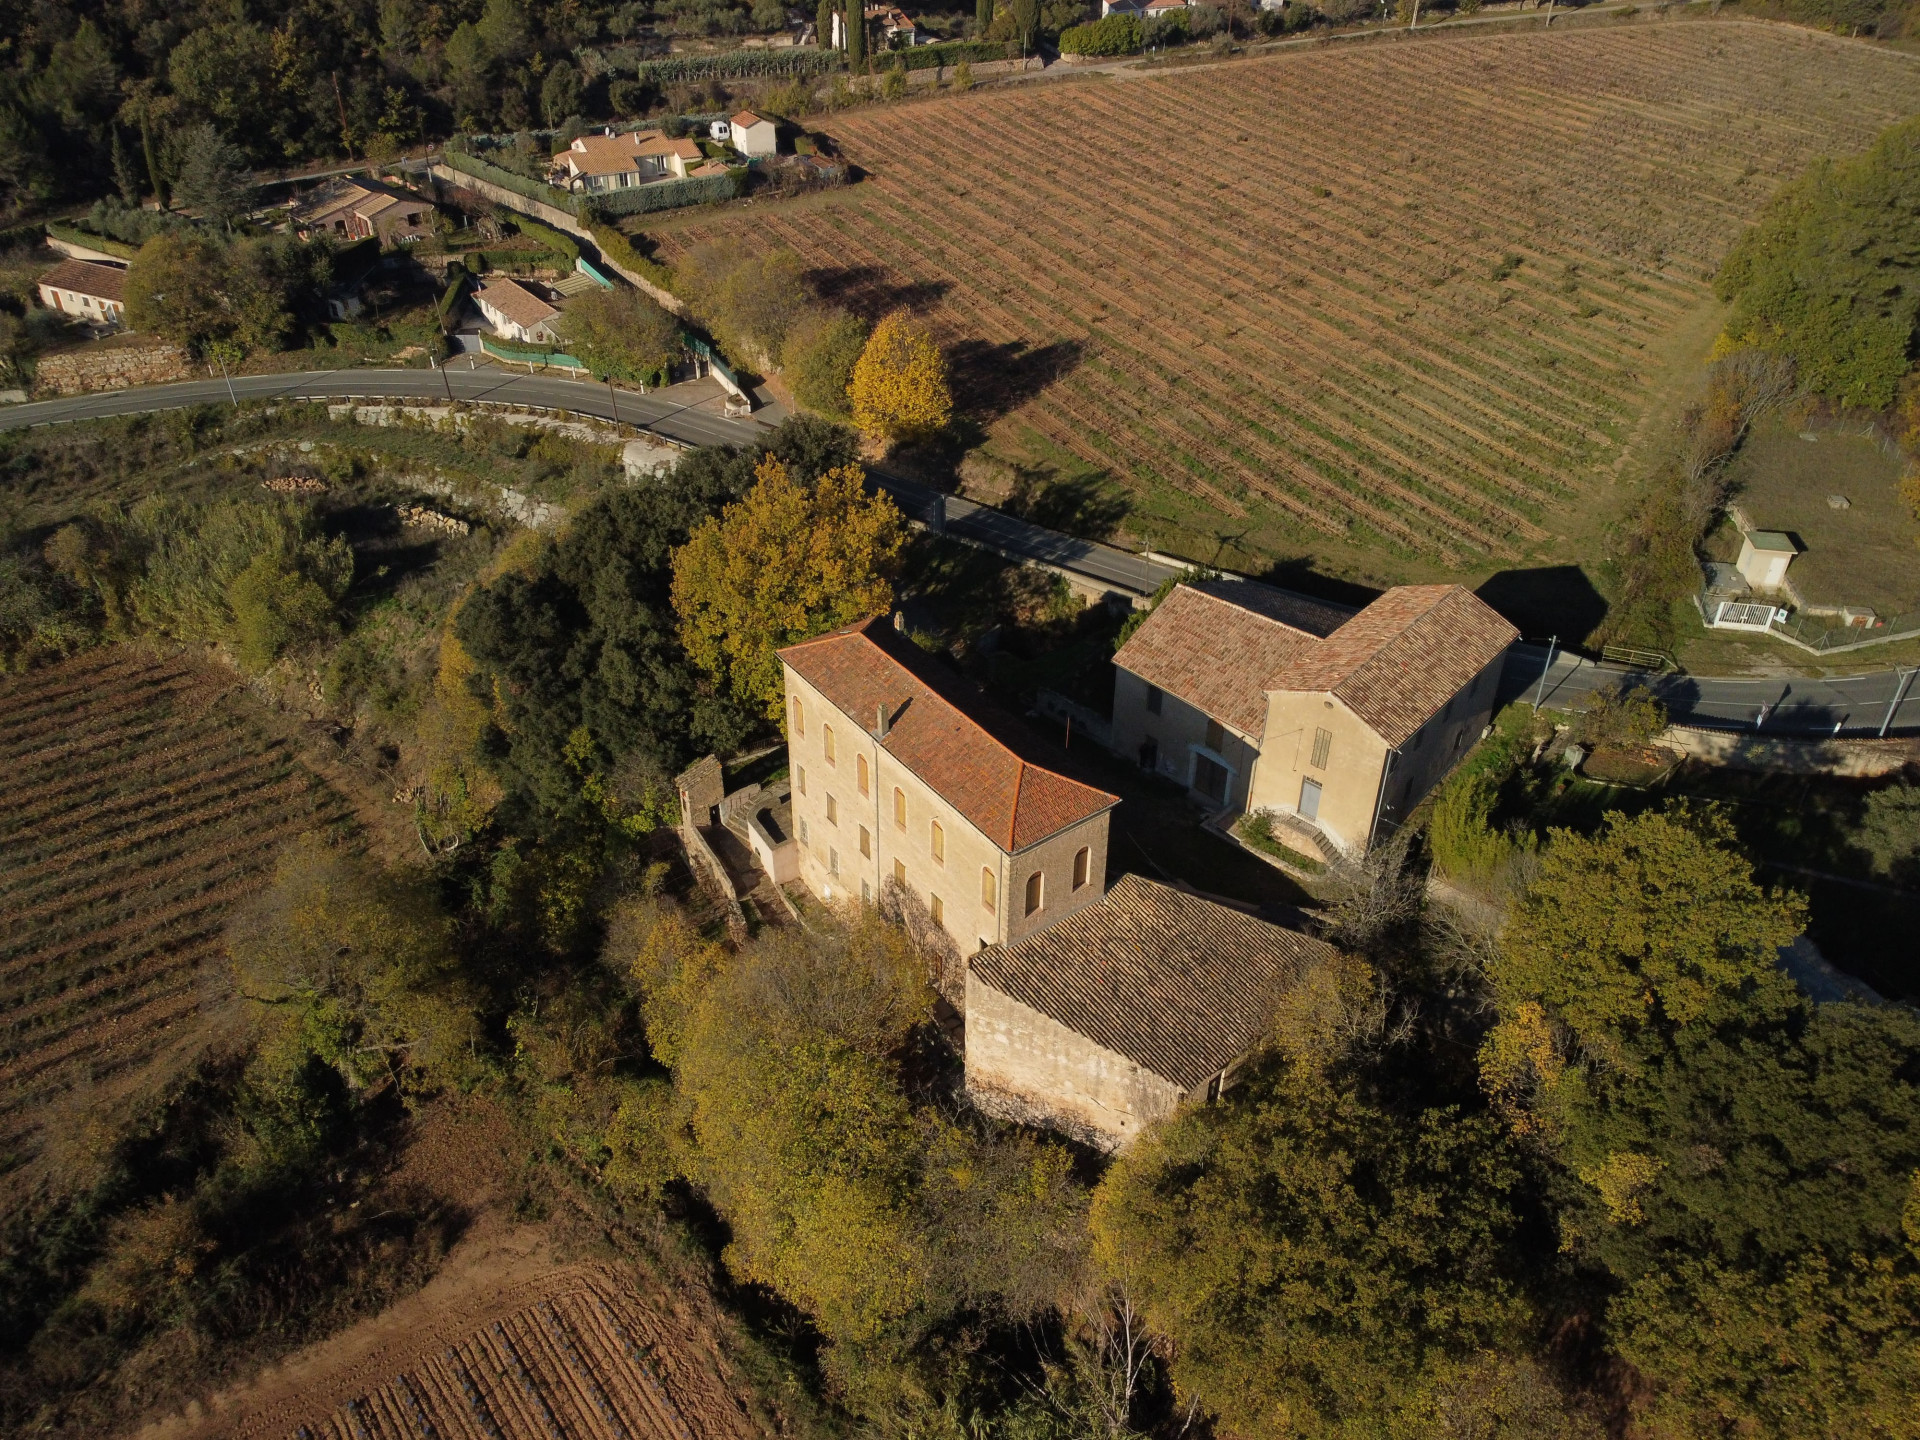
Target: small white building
[[754, 135], [86, 291], [516, 313], [720, 130], [1764, 558]]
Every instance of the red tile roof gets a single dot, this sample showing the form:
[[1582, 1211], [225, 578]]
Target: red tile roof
[[1214, 644], [1175, 983], [103, 282], [745, 119], [518, 304], [944, 731], [1398, 661]]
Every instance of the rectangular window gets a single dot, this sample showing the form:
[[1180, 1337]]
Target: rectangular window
[[866, 893], [900, 871], [1210, 778], [1149, 753], [833, 811], [800, 773], [799, 717], [1082, 866], [860, 768], [1216, 737], [988, 889], [833, 861], [937, 910], [1322, 747], [826, 741], [938, 839], [866, 844], [899, 807], [1154, 699], [803, 829]]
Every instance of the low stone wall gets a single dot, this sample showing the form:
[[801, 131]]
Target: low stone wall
[[113, 367], [1860, 759]]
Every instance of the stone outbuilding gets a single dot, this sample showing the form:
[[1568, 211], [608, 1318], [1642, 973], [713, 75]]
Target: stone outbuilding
[[1119, 1014]]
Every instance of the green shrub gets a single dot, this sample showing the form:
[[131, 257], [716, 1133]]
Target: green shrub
[[619, 251], [670, 194], [276, 608], [556, 240], [1113, 35], [1461, 836], [956, 52], [818, 360], [496, 175]]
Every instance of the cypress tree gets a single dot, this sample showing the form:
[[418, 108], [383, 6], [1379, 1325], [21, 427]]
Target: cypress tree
[[823, 24], [982, 18], [856, 35]]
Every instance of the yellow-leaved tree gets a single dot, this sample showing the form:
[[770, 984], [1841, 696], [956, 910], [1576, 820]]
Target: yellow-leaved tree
[[788, 561], [899, 387]]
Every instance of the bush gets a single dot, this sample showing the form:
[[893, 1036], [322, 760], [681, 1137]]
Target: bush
[[671, 194], [955, 52], [818, 359], [1461, 835], [1622, 715], [618, 249], [506, 179], [1114, 35], [557, 241]]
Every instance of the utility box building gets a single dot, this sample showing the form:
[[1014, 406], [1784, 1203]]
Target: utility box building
[[1764, 558]]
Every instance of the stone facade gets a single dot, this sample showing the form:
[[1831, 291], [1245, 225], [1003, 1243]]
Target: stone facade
[[1026, 1066], [113, 367]]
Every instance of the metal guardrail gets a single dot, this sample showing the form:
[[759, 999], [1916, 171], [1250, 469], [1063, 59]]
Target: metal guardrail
[[1657, 661]]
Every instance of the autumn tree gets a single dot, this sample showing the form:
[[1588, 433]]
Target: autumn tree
[[790, 560], [1735, 1161], [899, 387]]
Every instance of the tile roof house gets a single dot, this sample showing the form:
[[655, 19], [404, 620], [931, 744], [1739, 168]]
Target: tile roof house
[[1112, 1018], [1337, 721], [86, 291], [516, 313], [363, 208], [903, 771], [753, 135], [599, 163]]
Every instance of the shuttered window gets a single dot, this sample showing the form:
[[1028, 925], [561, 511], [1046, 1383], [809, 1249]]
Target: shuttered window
[[1322, 747], [938, 839]]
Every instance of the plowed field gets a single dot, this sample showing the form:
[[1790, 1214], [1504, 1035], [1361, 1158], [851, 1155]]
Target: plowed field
[[1402, 300], [136, 805], [588, 1363]]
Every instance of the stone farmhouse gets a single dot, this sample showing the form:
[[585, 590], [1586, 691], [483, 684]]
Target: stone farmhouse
[[95, 293], [596, 164], [1337, 721], [1091, 1010]]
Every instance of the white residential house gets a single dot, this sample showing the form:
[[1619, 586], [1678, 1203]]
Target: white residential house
[[1121, 7], [597, 164], [754, 135], [86, 291], [516, 313]]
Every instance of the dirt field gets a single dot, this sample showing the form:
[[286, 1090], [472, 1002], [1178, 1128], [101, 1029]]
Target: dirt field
[[1398, 304], [137, 803]]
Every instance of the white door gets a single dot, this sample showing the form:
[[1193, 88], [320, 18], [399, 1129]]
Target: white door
[[1310, 799]]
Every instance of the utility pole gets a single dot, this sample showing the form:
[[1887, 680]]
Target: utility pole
[[1899, 698], [613, 399], [226, 377], [1540, 695], [443, 379]]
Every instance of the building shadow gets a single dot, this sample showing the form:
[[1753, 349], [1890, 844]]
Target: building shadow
[[1298, 575], [1552, 600]]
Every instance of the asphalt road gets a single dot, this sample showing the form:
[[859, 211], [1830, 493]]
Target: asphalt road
[[1856, 704]]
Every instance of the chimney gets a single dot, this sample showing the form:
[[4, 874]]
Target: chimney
[[882, 722]]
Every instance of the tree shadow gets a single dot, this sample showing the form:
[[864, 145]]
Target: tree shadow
[[1084, 504], [990, 381], [871, 292], [1552, 600]]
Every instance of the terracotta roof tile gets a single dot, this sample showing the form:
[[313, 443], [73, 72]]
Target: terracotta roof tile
[[103, 282], [1177, 984], [518, 304], [745, 118], [1215, 643], [944, 731], [1403, 657]]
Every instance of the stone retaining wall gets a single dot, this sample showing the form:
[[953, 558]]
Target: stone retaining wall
[[113, 367]]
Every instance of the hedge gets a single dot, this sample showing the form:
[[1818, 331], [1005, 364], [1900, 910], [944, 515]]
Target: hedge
[[553, 239], [671, 194], [619, 250], [730, 64], [948, 52], [73, 235], [1113, 35], [506, 179]]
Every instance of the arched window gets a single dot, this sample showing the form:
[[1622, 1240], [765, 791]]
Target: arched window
[[988, 889], [826, 739], [1082, 867], [860, 772], [1036, 891]]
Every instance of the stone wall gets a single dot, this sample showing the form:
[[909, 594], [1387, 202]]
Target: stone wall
[[1025, 1066], [113, 367]]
